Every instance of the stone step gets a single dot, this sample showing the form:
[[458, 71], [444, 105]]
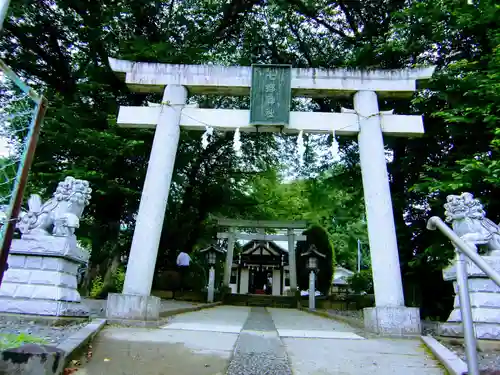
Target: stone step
[[484, 331], [260, 300], [481, 299], [481, 315]]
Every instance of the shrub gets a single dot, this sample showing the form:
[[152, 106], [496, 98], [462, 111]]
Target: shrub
[[100, 290], [361, 282], [317, 236], [168, 280], [119, 279], [97, 286]]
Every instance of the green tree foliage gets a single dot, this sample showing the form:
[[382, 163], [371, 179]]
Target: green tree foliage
[[318, 237], [68, 62], [459, 107], [361, 282], [7, 174], [61, 47], [332, 200]]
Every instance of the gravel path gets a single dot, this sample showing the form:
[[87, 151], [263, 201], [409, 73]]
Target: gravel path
[[488, 360], [356, 314], [259, 349], [52, 335]]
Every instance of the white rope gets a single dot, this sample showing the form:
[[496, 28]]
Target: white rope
[[237, 143], [301, 149], [209, 131], [334, 148]]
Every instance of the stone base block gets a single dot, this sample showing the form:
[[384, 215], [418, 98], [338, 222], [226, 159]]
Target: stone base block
[[32, 359], [129, 307], [481, 299], [480, 285], [43, 307], [392, 320], [479, 315], [42, 277], [473, 271], [484, 331], [484, 297]]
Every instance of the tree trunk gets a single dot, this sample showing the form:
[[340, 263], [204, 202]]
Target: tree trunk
[[90, 275], [110, 270]]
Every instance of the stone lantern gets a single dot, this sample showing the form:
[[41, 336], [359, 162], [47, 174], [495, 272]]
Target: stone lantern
[[312, 255], [211, 253]]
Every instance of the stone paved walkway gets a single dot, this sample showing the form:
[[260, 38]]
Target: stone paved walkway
[[253, 341]]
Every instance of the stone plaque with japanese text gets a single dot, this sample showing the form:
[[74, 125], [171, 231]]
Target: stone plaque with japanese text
[[270, 95]]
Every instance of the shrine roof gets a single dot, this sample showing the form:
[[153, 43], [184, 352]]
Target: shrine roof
[[269, 246]]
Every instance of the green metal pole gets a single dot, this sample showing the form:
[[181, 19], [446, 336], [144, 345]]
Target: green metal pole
[[7, 230], [20, 184]]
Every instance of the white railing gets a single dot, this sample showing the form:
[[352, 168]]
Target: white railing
[[464, 250]]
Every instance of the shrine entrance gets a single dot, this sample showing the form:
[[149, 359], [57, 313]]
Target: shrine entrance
[[263, 266], [267, 266], [259, 281], [270, 88]]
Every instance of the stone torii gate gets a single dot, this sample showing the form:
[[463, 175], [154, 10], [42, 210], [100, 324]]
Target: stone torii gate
[[366, 121], [261, 225]]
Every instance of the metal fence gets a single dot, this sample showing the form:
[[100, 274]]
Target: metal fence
[[465, 251], [21, 114]]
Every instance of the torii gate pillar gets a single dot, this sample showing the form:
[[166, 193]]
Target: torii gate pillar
[[390, 314], [136, 303]]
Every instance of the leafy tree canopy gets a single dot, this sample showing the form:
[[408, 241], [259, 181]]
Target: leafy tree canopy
[[61, 47]]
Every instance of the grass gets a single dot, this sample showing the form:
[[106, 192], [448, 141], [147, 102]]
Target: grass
[[10, 340], [431, 355]]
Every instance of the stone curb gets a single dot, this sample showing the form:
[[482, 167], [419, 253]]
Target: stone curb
[[344, 319], [453, 364], [83, 336], [163, 315], [183, 310]]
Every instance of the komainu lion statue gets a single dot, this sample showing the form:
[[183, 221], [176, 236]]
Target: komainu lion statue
[[470, 223], [61, 214]]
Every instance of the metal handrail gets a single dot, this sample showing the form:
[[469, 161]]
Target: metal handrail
[[465, 249]]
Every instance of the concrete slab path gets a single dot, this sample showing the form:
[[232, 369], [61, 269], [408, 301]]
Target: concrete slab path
[[138, 351], [353, 357], [254, 341], [229, 319], [296, 323]]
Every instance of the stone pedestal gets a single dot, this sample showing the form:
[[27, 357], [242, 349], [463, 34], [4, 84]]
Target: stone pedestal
[[484, 298], [41, 279], [312, 290], [211, 284], [392, 320], [124, 308]]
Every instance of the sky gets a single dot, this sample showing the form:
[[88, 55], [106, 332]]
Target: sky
[[4, 151], [282, 244]]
